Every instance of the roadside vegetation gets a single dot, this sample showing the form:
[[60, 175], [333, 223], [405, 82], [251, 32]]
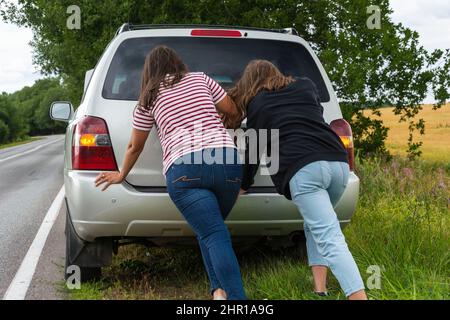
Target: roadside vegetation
[[19, 142], [25, 113], [401, 226]]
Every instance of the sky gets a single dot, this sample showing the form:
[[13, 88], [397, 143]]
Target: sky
[[431, 18]]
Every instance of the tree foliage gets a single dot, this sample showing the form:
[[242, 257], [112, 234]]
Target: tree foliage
[[369, 68], [34, 103], [26, 112], [12, 125]]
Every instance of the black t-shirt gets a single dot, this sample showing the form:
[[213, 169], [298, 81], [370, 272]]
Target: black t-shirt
[[304, 136]]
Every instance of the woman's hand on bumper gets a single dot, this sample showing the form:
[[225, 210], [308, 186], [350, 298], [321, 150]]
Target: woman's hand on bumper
[[242, 191], [108, 178]]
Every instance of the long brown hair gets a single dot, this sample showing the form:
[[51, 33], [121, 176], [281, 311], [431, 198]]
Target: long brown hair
[[160, 62], [258, 75]]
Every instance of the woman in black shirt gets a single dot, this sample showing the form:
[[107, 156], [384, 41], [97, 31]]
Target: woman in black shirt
[[313, 169]]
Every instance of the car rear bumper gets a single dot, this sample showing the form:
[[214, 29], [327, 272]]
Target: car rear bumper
[[123, 211]]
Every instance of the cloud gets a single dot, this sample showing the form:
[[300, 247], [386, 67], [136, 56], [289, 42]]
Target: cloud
[[16, 68], [431, 19]]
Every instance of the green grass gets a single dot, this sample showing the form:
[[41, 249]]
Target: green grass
[[18, 143], [402, 225]]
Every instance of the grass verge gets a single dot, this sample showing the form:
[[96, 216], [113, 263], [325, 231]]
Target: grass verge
[[401, 227], [18, 143]]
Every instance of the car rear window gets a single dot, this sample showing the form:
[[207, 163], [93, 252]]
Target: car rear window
[[223, 59]]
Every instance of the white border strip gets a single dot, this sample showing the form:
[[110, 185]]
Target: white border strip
[[31, 150], [19, 285]]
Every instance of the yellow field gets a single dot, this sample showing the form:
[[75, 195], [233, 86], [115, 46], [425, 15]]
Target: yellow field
[[436, 141]]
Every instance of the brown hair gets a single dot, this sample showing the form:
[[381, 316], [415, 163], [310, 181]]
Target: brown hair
[[160, 62], [258, 75]]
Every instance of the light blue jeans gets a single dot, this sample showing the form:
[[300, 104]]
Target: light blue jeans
[[315, 189]]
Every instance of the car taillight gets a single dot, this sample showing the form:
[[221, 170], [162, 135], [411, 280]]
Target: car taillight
[[344, 131], [216, 33], [91, 146]]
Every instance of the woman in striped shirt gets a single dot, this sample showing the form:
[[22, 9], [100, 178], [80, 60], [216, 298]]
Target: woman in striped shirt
[[200, 160]]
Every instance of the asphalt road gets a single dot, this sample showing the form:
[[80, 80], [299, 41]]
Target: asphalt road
[[30, 177]]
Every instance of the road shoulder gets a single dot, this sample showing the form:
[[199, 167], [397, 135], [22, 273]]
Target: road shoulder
[[48, 280]]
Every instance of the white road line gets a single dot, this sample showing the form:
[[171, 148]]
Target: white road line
[[18, 288], [31, 150]]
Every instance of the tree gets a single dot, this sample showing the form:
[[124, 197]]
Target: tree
[[4, 132], [33, 104], [369, 68], [12, 126]]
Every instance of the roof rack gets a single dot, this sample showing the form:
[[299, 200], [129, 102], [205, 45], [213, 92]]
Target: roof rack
[[131, 27]]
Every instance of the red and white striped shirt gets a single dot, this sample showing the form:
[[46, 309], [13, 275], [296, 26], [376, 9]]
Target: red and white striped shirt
[[186, 117]]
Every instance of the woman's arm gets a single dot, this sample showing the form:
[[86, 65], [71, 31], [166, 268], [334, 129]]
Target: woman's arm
[[134, 149]]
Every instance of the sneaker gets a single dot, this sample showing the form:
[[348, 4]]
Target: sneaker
[[322, 294]]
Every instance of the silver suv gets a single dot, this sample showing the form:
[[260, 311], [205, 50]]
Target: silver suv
[[140, 210]]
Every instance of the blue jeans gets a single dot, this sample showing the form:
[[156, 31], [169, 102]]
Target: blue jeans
[[315, 189], [205, 194]]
